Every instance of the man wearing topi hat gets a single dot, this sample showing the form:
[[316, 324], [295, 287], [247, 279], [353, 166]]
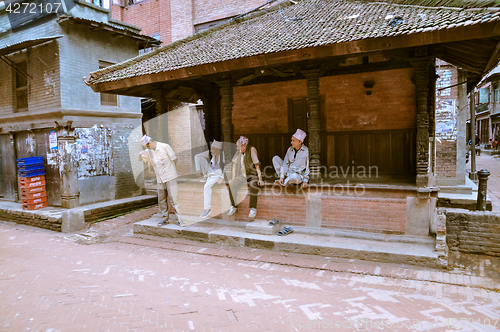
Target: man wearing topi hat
[[294, 169], [214, 175], [163, 159]]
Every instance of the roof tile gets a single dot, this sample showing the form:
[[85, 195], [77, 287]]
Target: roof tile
[[307, 23]]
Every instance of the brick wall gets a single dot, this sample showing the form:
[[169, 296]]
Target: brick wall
[[179, 132], [182, 19], [446, 122], [29, 218], [263, 108], [373, 210], [390, 106], [6, 89], [40, 97], [473, 231], [80, 53], [145, 15], [206, 10], [359, 213], [125, 185], [48, 53]]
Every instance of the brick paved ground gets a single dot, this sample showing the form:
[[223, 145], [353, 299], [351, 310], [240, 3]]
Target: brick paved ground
[[492, 164], [125, 283]]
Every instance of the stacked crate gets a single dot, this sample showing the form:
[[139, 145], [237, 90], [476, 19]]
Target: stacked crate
[[32, 182]]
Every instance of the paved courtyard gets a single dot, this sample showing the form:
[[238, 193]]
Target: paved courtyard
[[492, 164], [55, 282]]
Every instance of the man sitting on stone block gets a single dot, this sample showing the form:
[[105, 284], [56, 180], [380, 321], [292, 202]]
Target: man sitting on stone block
[[202, 163], [215, 174], [246, 169], [294, 169]]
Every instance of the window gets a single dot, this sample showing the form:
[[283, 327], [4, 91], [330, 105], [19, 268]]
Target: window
[[100, 3], [107, 99], [21, 85], [484, 94], [149, 49]]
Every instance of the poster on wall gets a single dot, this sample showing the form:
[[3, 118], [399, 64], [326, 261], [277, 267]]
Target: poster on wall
[[53, 139]]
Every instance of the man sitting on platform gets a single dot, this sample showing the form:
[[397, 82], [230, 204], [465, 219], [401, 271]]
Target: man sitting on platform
[[246, 169], [294, 169], [214, 175]]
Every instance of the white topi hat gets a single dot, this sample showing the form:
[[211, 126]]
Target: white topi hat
[[300, 135], [217, 145], [145, 140]]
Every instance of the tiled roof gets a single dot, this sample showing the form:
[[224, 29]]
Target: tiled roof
[[308, 23]]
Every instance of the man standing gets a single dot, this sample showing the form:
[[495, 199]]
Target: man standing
[[294, 169], [163, 159], [214, 175], [246, 169]]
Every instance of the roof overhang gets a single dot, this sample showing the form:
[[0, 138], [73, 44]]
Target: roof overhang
[[25, 44], [451, 39], [144, 41]]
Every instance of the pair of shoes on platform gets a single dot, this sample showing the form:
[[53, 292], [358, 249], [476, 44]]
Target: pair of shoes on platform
[[232, 210], [179, 221], [205, 213], [163, 222], [253, 213]]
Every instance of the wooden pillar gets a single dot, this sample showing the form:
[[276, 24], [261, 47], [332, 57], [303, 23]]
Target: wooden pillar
[[212, 110], [431, 110], [226, 91], [313, 123], [421, 65], [160, 133], [68, 170]]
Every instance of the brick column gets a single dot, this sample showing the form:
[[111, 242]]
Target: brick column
[[313, 123], [421, 65], [68, 169]]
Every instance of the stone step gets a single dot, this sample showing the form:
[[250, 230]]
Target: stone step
[[374, 247]]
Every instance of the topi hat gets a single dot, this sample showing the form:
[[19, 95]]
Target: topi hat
[[242, 140], [300, 135], [216, 144], [145, 140]]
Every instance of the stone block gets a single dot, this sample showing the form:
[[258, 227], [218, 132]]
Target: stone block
[[262, 227], [73, 220]]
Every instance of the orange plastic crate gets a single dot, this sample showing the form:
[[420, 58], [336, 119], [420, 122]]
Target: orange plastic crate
[[35, 200], [25, 191], [35, 206], [32, 179], [34, 195], [32, 184]]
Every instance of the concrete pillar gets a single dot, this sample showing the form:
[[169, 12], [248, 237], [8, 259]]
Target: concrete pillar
[[68, 169], [313, 123]]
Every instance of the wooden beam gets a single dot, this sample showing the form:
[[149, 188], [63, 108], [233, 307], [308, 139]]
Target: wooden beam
[[454, 61], [492, 62]]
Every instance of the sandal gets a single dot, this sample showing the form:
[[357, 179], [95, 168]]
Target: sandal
[[274, 222], [285, 231]]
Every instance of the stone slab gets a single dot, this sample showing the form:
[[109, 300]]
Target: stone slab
[[260, 226]]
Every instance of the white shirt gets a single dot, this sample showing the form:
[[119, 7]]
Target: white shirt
[[162, 159]]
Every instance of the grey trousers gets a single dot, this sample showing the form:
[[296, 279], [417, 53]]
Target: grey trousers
[[164, 190]]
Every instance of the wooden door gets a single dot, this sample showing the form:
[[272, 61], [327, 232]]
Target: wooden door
[[52, 177], [8, 181]]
